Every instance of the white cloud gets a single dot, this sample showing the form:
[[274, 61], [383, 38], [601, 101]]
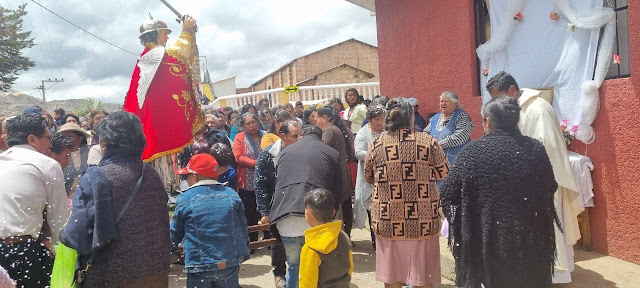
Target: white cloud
[[243, 38]]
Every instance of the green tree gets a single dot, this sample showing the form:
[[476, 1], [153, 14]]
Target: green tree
[[12, 41]]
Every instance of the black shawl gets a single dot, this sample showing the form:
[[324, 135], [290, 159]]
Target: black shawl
[[498, 198]]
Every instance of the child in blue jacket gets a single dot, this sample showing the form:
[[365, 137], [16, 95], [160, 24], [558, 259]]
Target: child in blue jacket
[[210, 218]]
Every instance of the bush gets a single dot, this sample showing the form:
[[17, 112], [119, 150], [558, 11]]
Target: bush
[[92, 103]]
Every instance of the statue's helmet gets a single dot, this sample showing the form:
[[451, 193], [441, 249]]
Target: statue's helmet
[[153, 25]]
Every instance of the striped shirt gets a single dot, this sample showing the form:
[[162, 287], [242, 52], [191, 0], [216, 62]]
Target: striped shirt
[[464, 126]]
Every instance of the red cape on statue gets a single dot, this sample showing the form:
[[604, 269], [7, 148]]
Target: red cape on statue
[[170, 114]]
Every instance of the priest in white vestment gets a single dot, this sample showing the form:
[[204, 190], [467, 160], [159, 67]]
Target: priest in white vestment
[[538, 120]]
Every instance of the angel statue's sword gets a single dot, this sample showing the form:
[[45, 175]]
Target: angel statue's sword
[[179, 19]]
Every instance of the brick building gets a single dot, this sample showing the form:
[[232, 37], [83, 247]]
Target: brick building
[[350, 61]]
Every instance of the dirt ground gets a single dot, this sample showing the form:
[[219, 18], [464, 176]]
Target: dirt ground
[[593, 270]]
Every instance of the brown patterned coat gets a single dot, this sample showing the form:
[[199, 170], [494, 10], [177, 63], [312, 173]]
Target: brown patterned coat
[[403, 166]]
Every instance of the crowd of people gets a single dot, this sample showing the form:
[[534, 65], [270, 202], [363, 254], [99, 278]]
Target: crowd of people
[[311, 172]]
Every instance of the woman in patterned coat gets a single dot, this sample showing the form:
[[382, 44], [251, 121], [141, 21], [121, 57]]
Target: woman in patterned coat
[[403, 165]]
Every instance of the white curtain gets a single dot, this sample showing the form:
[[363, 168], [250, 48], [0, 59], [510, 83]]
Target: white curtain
[[540, 52]]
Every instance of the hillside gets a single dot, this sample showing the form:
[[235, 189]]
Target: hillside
[[13, 102]]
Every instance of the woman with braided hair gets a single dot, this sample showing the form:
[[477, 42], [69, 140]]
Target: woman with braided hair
[[336, 135], [498, 198]]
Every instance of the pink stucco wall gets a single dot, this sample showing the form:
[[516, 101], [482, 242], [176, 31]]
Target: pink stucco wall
[[425, 48]]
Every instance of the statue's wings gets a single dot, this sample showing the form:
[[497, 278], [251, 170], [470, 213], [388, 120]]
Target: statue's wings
[[148, 64]]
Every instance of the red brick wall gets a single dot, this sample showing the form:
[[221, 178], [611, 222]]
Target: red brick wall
[[340, 75], [354, 53], [243, 90], [426, 47]]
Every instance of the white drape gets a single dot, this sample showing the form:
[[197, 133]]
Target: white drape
[[540, 52]]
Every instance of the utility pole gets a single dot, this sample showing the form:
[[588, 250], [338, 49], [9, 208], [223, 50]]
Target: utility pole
[[44, 89]]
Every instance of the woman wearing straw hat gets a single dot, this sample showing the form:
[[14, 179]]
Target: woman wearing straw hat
[[79, 155]]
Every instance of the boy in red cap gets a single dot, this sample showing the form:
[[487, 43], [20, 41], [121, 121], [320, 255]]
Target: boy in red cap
[[210, 218]]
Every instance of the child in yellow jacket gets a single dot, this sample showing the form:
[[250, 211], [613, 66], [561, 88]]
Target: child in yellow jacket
[[325, 259]]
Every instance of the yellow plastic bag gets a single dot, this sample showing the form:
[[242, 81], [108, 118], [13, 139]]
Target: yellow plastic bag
[[64, 267]]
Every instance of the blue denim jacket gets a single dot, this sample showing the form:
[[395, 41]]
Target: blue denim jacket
[[210, 218]]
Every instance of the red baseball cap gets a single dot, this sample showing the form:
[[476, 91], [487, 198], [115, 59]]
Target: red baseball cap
[[201, 164]]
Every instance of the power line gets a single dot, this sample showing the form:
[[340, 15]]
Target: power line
[[46, 26], [35, 39], [54, 84], [43, 89], [99, 38], [114, 94], [28, 51], [53, 52]]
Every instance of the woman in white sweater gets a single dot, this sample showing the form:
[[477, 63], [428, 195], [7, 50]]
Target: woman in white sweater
[[375, 114]]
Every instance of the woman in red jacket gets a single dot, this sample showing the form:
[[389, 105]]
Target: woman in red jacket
[[246, 148]]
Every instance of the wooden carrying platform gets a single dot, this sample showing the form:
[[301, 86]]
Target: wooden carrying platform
[[178, 256], [585, 229], [262, 243]]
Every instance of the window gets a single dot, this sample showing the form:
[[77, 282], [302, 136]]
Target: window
[[621, 45], [483, 33], [483, 23]]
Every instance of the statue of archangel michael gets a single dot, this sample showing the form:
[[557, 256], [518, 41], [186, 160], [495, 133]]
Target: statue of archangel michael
[[163, 90]]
